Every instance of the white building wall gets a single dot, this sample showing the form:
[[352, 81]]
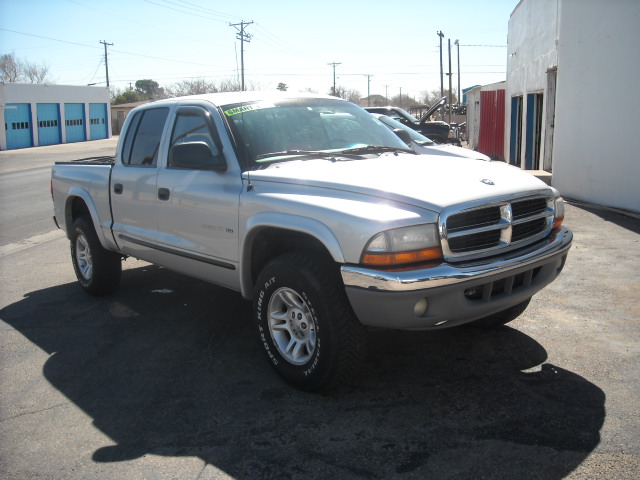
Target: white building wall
[[60, 94], [473, 117], [531, 52], [596, 131]]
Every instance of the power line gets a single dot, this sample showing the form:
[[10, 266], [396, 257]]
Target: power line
[[48, 38], [113, 50], [200, 11]]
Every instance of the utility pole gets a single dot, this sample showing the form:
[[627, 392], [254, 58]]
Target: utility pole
[[457, 44], [450, 87], [106, 61], [369, 89], [441, 35], [243, 37], [386, 93], [334, 65]]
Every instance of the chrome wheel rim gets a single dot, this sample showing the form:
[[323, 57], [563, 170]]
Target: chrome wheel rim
[[292, 327], [83, 257]]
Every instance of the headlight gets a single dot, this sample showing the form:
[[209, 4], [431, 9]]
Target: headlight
[[559, 212], [403, 246]]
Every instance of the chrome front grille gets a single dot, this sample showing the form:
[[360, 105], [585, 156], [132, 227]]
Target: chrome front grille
[[476, 231]]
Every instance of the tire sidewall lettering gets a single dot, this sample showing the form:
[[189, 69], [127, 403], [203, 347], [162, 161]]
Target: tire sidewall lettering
[[263, 298]]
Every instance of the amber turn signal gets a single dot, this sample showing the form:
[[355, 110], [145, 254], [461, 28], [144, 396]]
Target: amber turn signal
[[402, 258]]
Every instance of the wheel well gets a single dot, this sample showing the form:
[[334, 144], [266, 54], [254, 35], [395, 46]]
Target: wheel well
[[273, 242], [77, 209]]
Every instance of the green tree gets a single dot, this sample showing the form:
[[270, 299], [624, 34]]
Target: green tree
[[149, 89], [127, 96]]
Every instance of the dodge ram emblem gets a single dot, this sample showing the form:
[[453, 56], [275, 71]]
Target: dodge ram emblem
[[486, 181]]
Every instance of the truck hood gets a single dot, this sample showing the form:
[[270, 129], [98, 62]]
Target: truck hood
[[427, 181], [446, 149], [434, 108]]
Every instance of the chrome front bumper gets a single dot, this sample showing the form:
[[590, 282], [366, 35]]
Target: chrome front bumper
[[452, 294]]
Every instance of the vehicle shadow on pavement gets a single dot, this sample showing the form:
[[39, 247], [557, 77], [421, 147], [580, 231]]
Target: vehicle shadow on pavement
[[171, 366]]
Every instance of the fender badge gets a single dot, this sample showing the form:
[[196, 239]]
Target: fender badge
[[486, 181]]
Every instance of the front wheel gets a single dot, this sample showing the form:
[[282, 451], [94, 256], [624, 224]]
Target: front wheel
[[305, 323], [98, 270]]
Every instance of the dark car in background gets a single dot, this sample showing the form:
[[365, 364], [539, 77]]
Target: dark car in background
[[425, 146], [437, 131]]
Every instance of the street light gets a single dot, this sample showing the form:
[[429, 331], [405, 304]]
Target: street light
[[441, 35], [450, 88]]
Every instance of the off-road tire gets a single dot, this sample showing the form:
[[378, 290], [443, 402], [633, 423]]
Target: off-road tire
[[306, 326], [98, 270]]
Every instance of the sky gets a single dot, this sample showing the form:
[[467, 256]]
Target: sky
[[381, 47]]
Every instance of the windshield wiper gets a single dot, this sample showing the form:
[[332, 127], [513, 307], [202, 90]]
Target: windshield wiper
[[375, 149], [296, 153], [289, 155]]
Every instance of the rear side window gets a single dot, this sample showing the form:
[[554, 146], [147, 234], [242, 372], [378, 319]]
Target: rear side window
[[143, 137]]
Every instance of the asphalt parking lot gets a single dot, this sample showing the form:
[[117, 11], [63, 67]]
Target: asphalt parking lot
[[165, 380]]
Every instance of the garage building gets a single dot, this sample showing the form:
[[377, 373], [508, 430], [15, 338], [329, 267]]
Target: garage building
[[40, 114]]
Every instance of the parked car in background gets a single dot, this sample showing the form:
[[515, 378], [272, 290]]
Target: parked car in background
[[437, 131], [425, 146]]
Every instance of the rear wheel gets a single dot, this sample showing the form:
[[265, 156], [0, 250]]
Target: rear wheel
[[305, 323], [503, 317], [97, 269]]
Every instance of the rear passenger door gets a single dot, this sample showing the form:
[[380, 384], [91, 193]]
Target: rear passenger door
[[133, 184]]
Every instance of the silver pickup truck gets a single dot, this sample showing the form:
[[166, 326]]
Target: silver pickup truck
[[319, 214]]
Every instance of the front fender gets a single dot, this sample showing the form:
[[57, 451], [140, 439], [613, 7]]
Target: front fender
[[294, 223]]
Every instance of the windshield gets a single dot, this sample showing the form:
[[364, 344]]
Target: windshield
[[289, 129], [415, 136]]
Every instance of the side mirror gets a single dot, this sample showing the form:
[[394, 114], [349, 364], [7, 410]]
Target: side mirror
[[195, 156], [403, 135]]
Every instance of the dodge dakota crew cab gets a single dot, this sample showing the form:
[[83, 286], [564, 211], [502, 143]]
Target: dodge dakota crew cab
[[319, 214]]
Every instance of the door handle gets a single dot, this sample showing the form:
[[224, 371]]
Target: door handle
[[163, 194], [118, 188]]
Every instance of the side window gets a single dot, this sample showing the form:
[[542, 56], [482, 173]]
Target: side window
[[191, 127], [143, 137]]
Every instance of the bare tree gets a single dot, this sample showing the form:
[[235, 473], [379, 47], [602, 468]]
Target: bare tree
[[14, 70], [432, 97], [403, 101], [191, 87], [35, 73], [9, 69], [200, 86], [342, 92]]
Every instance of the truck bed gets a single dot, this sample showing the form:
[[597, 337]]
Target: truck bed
[[106, 160]]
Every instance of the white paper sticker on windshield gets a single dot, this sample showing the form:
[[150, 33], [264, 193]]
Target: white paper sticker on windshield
[[247, 108]]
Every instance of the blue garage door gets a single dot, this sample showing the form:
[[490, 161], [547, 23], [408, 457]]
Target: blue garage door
[[98, 120], [74, 122], [17, 125], [48, 124]]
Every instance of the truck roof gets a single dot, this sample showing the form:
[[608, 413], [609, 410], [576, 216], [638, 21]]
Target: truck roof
[[228, 98]]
